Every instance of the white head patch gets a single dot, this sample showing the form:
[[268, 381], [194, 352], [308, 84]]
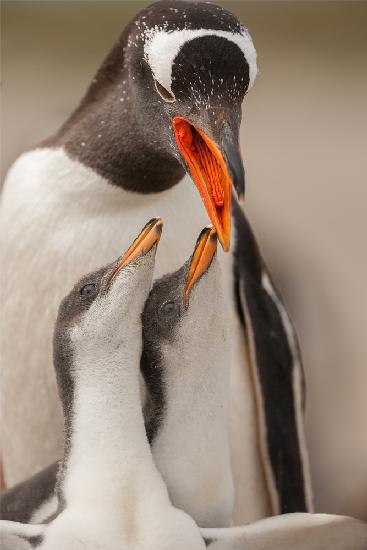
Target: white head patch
[[162, 47]]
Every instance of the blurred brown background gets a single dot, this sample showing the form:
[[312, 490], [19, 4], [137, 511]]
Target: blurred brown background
[[304, 144]]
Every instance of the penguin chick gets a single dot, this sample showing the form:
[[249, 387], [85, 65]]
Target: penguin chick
[[185, 363]]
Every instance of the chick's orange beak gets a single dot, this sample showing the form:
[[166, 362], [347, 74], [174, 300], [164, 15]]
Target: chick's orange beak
[[210, 174], [148, 237], [201, 259]]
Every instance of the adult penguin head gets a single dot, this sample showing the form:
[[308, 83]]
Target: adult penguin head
[[193, 63], [167, 100]]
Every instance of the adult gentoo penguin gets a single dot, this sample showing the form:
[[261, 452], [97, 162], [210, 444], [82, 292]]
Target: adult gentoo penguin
[[165, 105], [110, 494], [185, 401]]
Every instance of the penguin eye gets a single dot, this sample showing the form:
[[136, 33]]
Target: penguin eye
[[88, 289], [165, 94], [168, 307]]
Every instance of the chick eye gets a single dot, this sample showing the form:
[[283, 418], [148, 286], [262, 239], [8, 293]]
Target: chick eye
[[87, 289], [168, 307], [164, 93]]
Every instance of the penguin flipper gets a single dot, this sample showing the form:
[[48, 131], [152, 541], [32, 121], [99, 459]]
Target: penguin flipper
[[290, 531], [19, 503], [276, 370], [20, 536]]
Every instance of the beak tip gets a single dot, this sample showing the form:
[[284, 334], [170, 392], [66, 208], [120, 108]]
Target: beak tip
[[213, 237], [159, 227], [226, 244], [205, 251]]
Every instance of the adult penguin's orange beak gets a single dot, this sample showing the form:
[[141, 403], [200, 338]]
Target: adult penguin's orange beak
[[215, 168]]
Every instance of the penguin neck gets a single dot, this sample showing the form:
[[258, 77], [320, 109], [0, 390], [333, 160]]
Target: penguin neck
[[115, 133], [192, 436], [108, 452], [196, 396]]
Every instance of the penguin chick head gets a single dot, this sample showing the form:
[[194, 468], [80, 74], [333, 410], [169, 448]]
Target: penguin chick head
[[184, 319], [101, 316], [190, 65]]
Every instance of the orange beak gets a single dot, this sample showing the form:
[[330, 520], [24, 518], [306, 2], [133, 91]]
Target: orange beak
[[210, 174], [148, 237], [204, 252]]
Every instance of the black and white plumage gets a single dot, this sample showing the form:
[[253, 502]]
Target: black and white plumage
[[120, 159]]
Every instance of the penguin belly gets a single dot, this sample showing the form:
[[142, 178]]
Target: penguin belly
[[60, 220]]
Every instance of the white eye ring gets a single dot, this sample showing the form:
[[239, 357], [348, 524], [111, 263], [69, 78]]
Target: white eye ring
[[164, 93]]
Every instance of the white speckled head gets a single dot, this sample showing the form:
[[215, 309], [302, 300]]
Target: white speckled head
[[163, 32], [162, 47]]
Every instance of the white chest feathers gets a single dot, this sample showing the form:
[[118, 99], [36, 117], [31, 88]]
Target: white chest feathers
[[62, 209]]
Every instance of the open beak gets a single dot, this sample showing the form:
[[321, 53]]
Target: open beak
[[148, 237], [213, 172], [205, 249]]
